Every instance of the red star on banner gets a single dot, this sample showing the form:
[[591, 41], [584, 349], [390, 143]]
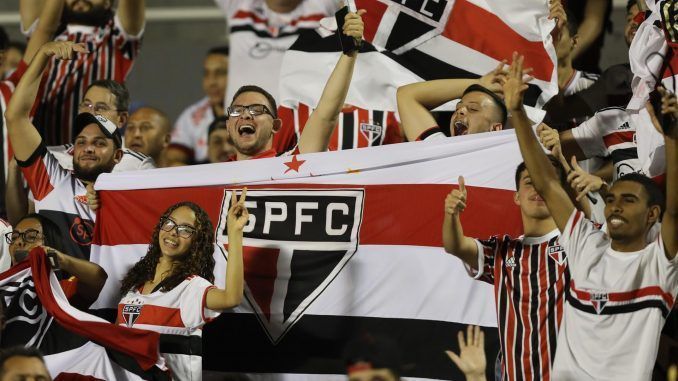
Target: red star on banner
[[294, 165]]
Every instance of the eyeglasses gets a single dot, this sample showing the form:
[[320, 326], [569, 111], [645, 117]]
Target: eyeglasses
[[95, 108], [28, 236], [184, 231], [254, 110]]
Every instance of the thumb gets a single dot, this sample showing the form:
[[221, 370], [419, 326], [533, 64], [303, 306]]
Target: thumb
[[80, 48], [454, 357], [462, 185], [361, 12], [90, 187], [575, 164]]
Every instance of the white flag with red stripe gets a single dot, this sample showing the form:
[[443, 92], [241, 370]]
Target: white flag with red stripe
[[338, 243], [412, 40]]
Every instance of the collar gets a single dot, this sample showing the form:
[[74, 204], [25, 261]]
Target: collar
[[261, 155], [84, 29]]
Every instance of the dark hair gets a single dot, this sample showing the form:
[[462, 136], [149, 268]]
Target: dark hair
[[572, 22], [655, 196], [630, 4], [119, 90], [18, 45], [555, 162], [217, 124], [498, 101], [4, 39], [18, 351], [50, 231], [379, 351], [221, 50], [198, 261], [257, 89]]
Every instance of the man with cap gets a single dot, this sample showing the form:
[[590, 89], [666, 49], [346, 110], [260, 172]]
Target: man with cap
[[60, 194], [480, 108]]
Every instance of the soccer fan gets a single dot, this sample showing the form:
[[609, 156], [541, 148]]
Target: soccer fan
[[261, 31], [170, 289], [253, 119], [372, 357], [595, 18], [82, 280], [480, 109], [622, 287], [23, 363], [189, 136], [113, 39], [148, 132], [12, 58], [60, 193], [471, 358], [219, 149]]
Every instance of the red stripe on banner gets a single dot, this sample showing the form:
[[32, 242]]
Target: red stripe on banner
[[142, 345], [398, 214], [476, 28], [618, 138], [372, 18]]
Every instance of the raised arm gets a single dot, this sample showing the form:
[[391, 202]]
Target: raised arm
[[416, 100], [592, 25], [454, 240], [218, 299], [23, 135], [48, 23], [542, 172], [132, 16], [29, 11], [670, 220], [320, 125], [91, 277]]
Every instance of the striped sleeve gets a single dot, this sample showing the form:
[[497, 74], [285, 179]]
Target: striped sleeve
[[487, 250], [42, 171], [194, 312], [589, 137]]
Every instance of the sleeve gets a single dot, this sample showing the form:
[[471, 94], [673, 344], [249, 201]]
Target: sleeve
[[573, 238], [42, 171], [286, 138], [589, 137], [18, 73], [123, 32], [487, 250], [431, 133], [128, 46], [394, 133], [194, 313]]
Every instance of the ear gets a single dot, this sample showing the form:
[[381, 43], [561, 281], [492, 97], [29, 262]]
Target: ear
[[166, 141], [277, 125], [123, 116], [117, 156], [496, 127], [575, 41], [653, 215], [515, 199]]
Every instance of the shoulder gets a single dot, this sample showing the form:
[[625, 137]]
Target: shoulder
[[196, 112]]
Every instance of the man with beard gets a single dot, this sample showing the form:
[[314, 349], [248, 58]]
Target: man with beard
[[480, 109], [60, 194], [113, 39]]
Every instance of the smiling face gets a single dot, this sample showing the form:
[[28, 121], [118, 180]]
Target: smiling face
[[93, 153], [171, 243], [627, 212], [531, 204], [251, 135], [476, 112]]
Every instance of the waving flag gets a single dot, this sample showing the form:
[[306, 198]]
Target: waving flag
[[338, 243], [76, 344], [412, 40]]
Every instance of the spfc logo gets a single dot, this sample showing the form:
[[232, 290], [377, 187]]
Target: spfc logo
[[130, 313], [295, 243], [598, 300], [557, 253], [371, 132]]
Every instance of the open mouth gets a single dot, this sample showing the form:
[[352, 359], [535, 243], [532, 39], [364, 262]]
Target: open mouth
[[460, 128], [246, 130], [537, 198], [616, 221], [170, 243]]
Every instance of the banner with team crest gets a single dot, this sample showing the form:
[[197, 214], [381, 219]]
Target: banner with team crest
[[338, 244]]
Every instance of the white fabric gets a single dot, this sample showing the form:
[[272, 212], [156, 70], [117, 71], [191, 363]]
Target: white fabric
[[191, 128], [616, 339], [5, 258]]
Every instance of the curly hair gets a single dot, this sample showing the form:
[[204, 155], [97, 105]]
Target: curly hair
[[198, 260]]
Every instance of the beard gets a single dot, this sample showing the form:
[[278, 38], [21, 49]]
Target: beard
[[91, 174], [97, 15]]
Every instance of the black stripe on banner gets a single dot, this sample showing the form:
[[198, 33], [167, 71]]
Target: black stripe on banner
[[266, 34], [180, 344], [620, 155], [347, 130], [619, 309], [316, 343]]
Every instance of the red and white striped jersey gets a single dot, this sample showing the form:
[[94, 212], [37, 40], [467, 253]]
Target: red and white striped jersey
[[112, 53], [191, 128], [259, 37], [529, 275], [62, 197], [617, 305], [178, 315], [610, 132], [357, 127]]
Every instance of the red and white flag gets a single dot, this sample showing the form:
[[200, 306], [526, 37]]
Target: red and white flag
[[338, 243]]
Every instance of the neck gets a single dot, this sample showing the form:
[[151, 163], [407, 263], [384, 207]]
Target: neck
[[160, 159], [163, 268], [537, 227], [243, 156], [565, 72], [282, 6], [629, 245], [218, 109]]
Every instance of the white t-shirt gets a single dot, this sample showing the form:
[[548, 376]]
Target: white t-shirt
[[259, 38], [178, 315], [5, 260], [617, 305], [131, 160], [191, 129]]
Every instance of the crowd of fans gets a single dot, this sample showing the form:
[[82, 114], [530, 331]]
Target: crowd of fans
[[600, 214]]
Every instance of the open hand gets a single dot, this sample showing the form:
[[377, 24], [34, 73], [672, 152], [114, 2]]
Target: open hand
[[471, 358], [515, 84], [455, 202], [354, 26], [493, 80], [237, 212], [557, 12], [63, 50]]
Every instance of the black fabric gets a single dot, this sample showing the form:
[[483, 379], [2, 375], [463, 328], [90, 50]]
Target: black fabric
[[39, 152]]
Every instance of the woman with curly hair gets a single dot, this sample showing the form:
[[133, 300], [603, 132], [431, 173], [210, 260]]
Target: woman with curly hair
[[170, 289]]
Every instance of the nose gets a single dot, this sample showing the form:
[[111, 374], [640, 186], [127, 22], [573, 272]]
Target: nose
[[462, 110]]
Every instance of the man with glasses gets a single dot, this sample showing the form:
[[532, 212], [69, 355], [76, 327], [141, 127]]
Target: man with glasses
[[253, 118]]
